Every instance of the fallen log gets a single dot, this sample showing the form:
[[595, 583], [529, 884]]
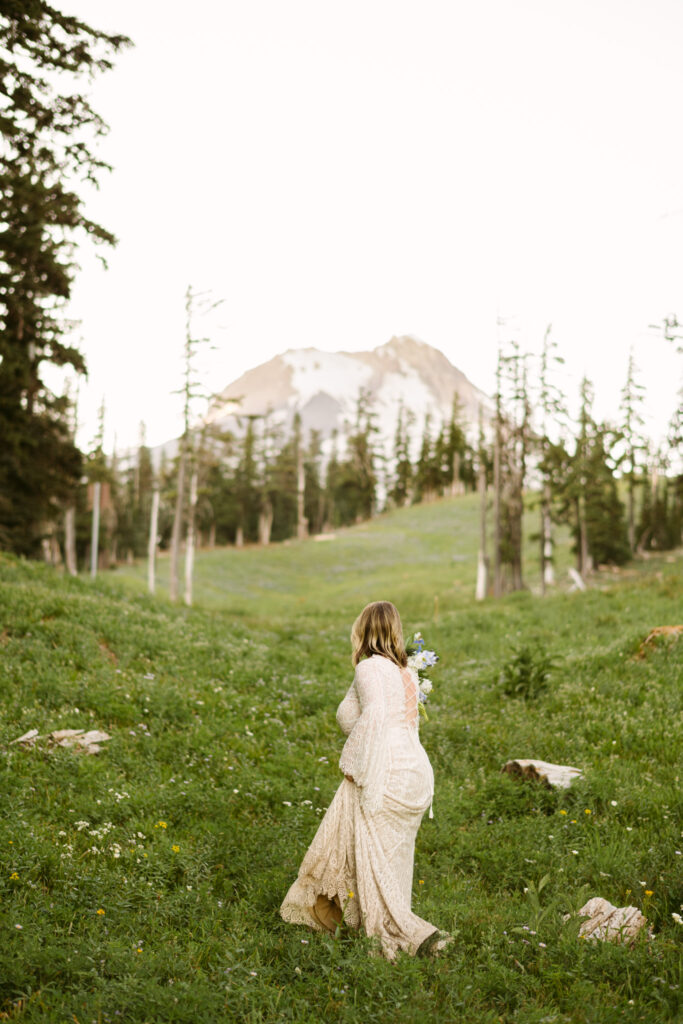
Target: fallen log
[[554, 776], [82, 741]]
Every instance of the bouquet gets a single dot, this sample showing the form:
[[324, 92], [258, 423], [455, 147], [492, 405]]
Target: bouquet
[[421, 659]]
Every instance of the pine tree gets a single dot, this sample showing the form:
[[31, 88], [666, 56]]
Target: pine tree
[[401, 489], [46, 156]]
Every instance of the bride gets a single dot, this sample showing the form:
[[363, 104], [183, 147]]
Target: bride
[[360, 863]]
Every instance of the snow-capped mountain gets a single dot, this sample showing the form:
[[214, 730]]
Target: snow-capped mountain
[[323, 387]]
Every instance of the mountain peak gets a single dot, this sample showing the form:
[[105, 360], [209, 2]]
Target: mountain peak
[[323, 387]]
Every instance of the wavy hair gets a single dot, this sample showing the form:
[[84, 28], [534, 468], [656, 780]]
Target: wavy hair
[[378, 630]]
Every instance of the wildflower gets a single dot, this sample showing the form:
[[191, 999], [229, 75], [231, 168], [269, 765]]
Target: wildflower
[[677, 918], [563, 812], [235, 790], [542, 945], [139, 949], [628, 892], [629, 829], [588, 811], [649, 892], [297, 970], [14, 877], [287, 803], [350, 894], [19, 926], [100, 912], [176, 849], [575, 852], [573, 821], [421, 882], [613, 803], [161, 824]]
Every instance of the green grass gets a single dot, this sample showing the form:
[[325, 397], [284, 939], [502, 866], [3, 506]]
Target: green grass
[[222, 724]]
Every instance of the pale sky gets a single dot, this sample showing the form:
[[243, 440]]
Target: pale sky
[[340, 172]]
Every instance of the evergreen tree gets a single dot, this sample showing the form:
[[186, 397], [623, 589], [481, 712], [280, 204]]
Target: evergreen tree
[[46, 155], [355, 478], [585, 488], [428, 472], [314, 492], [458, 471], [402, 484]]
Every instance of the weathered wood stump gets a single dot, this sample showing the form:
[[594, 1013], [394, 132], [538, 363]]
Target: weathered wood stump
[[554, 776], [609, 923]]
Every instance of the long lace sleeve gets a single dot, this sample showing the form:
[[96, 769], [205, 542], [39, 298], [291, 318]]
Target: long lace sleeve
[[365, 755], [348, 711]]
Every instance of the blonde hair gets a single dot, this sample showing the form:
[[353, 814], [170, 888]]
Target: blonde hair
[[378, 630]]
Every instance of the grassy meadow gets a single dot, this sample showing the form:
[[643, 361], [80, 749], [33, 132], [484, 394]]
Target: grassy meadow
[[142, 884]]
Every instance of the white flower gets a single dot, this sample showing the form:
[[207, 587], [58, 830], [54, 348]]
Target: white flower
[[425, 686], [677, 918]]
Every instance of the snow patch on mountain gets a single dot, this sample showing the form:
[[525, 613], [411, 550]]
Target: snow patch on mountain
[[336, 374], [323, 388]]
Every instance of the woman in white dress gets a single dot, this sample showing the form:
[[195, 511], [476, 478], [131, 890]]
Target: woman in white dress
[[360, 863]]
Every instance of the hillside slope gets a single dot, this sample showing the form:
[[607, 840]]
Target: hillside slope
[[143, 884]]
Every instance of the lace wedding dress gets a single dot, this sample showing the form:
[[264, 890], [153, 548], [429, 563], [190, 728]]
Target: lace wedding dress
[[366, 842]]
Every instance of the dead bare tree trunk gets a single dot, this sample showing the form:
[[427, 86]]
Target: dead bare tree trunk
[[265, 524], [95, 534], [190, 544], [70, 540], [497, 578], [152, 545], [547, 569], [583, 557], [177, 525], [301, 521], [632, 507], [483, 562]]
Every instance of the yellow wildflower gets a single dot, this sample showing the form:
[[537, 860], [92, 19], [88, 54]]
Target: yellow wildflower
[[563, 812], [649, 892], [100, 912], [161, 824], [350, 895], [138, 950], [14, 877], [588, 811], [176, 849], [421, 882], [628, 892]]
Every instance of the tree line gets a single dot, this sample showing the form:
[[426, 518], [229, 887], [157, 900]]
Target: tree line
[[263, 481]]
